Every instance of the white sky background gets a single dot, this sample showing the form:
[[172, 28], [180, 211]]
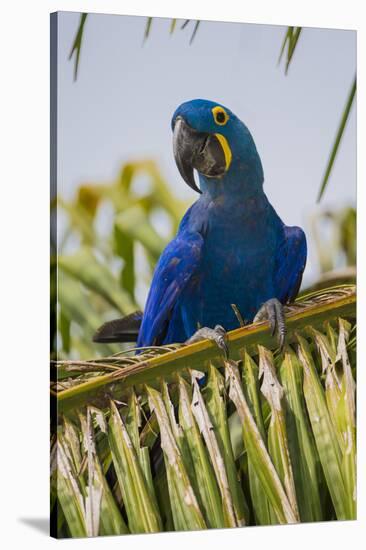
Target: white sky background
[[120, 107]]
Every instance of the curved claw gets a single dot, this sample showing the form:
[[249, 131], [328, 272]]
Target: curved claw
[[272, 310], [221, 340], [272, 317], [217, 335]]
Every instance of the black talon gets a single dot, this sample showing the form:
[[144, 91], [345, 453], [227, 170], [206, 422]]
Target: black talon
[[273, 311], [221, 340], [272, 318], [282, 338], [217, 335], [282, 335]]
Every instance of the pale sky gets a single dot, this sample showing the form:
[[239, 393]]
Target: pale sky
[[120, 107]]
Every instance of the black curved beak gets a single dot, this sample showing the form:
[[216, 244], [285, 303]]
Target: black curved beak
[[196, 150]]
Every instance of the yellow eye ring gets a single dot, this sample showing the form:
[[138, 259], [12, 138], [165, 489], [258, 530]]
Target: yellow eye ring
[[220, 115]]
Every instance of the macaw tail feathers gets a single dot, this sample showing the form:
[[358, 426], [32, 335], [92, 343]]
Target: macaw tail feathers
[[119, 330]]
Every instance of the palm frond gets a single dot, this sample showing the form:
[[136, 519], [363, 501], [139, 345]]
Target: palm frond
[[195, 29], [147, 28], [338, 139], [173, 24], [145, 368], [269, 438], [76, 46], [290, 40]]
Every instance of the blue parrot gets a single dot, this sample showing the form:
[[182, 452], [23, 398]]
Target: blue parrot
[[231, 246]]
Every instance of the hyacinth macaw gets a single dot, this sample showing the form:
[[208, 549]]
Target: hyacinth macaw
[[231, 246]]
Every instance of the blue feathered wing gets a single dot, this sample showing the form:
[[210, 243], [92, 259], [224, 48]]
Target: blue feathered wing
[[290, 264], [179, 261]]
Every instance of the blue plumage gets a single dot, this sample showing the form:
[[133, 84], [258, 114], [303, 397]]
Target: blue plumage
[[231, 246]]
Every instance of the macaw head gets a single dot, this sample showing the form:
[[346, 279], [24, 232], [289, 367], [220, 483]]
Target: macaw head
[[209, 138]]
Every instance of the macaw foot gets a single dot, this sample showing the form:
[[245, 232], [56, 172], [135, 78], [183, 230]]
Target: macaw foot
[[273, 311], [217, 335]]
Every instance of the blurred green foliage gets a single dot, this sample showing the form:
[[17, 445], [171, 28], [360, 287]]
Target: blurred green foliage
[[100, 271], [334, 234]]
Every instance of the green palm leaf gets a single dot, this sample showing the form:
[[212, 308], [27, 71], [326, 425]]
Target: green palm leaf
[[296, 459], [338, 138], [290, 41], [76, 45]]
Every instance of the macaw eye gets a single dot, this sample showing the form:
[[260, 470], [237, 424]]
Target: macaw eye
[[220, 115]]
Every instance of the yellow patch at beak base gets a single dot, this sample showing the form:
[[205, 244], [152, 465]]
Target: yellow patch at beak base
[[226, 148]]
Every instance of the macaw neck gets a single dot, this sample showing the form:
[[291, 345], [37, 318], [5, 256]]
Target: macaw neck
[[226, 211], [233, 190]]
